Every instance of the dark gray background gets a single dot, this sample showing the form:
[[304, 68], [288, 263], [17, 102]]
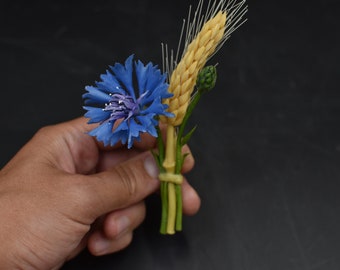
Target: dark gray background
[[268, 143]]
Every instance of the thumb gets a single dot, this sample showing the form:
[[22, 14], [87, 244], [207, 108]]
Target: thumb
[[123, 185]]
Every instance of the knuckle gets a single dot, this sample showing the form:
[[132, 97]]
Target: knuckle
[[129, 179], [50, 131], [43, 131], [44, 134]]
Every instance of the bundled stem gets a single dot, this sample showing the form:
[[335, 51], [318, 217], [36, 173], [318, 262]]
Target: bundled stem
[[171, 193], [169, 165]]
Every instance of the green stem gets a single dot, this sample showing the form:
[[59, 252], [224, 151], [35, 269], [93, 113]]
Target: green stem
[[188, 113], [169, 165], [164, 198], [179, 208], [179, 160], [160, 145], [164, 228], [164, 186]]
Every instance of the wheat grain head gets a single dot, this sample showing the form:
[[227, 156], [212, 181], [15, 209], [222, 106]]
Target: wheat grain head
[[204, 37]]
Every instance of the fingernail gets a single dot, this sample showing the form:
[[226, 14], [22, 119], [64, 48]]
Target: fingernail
[[122, 224], [102, 245], [151, 167]]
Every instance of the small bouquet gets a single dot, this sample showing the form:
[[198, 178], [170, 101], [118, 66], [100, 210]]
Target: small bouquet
[[135, 98]]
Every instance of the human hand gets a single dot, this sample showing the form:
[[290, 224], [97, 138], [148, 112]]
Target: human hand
[[63, 192]]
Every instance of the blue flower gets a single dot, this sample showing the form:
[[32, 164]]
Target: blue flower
[[126, 102]]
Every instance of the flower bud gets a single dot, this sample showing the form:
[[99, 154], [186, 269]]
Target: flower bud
[[206, 79]]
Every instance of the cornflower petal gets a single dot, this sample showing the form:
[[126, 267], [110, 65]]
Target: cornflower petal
[[133, 132], [154, 73], [157, 107], [95, 114], [119, 134], [95, 96], [103, 132], [124, 75], [114, 98], [160, 91], [141, 74], [149, 124], [109, 84]]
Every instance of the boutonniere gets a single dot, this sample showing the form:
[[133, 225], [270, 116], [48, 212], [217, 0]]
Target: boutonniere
[[134, 98]]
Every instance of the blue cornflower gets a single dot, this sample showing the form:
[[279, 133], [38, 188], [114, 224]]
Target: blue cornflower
[[115, 97]]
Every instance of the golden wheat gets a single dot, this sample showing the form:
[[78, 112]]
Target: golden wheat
[[204, 34], [183, 78]]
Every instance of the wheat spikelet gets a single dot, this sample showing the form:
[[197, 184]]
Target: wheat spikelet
[[183, 78], [204, 36]]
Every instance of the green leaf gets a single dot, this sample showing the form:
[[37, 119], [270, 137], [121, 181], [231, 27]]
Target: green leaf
[[158, 160], [183, 158], [187, 137], [160, 144]]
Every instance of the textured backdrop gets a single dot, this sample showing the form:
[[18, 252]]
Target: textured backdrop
[[268, 144]]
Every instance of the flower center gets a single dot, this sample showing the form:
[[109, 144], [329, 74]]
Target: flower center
[[122, 107]]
